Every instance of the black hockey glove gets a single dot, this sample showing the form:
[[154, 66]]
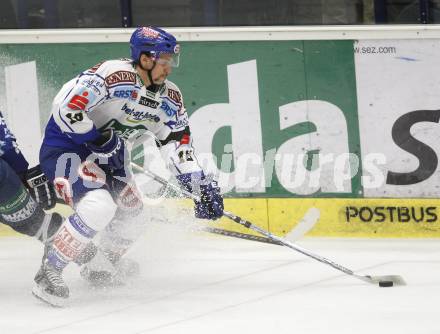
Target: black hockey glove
[[111, 147], [39, 187]]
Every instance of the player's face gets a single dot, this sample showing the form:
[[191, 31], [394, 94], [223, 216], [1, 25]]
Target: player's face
[[162, 69]]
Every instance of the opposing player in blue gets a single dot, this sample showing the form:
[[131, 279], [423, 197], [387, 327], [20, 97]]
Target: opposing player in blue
[[24, 193], [96, 119]]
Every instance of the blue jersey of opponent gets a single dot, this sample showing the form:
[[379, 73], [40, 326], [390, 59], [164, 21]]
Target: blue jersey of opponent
[[9, 149]]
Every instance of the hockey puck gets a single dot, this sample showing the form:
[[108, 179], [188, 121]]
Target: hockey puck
[[386, 284]]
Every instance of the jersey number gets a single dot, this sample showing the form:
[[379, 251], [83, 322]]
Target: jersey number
[[78, 117]]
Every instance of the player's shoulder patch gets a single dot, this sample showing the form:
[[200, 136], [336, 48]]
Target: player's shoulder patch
[[173, 92], [120, 77]]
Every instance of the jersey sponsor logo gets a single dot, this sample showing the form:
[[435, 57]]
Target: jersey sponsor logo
[[81, 227], [139, 116], [79, 102], [94, 84], [175, 96], [168, 108], [181, 123], [15, 203], [123, 130], [22, 214], [145, 101], [120, 77], [126, 94], [67, 244], [150, 94]]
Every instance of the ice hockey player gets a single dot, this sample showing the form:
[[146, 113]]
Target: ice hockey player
[[24, 193], [96, 119]]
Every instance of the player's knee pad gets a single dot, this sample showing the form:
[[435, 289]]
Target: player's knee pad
[[96, 209], [93, 212]]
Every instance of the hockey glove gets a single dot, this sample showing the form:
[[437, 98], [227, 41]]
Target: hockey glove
[[111, 147], [210, 205], [40, 188]]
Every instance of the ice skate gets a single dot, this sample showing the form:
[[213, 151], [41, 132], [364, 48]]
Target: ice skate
[[49, 286], [101, 271]]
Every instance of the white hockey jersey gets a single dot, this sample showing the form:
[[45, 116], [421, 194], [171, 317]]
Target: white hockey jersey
[[111, 95]]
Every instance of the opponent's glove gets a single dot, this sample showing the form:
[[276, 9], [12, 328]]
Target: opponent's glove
[[210, 205], [211, 202], [111, 147], [39, 187]]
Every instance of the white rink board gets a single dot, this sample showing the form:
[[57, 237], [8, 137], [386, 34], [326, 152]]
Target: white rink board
[[204, 284], [390, 85]]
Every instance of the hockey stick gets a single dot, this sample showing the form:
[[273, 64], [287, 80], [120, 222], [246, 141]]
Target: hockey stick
[[387, 280], [305, 224]]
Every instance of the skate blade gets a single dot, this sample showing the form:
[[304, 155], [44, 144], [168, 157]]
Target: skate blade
[[51, 300]]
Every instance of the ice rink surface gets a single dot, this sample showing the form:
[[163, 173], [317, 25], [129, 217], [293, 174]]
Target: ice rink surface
[[199, 283]]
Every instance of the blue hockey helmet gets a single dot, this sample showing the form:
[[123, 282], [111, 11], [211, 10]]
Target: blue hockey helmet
[[155, 41]]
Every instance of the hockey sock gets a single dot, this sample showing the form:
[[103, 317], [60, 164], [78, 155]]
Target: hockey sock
[[69, 242]]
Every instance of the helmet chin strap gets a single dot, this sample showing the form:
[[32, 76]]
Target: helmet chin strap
[[152, 87]]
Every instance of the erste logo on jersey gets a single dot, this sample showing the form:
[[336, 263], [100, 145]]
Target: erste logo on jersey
[[78, 104], [130, 94], [172, 104], [120, 77], [169, 107]]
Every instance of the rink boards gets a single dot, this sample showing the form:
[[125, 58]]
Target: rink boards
[[345, 119], [358, 218]]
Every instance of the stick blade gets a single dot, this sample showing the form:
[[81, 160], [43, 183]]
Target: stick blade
[[305, 225], [396, 279]]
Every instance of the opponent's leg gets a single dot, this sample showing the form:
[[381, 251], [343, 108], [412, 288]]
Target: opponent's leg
[[20, 211]]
